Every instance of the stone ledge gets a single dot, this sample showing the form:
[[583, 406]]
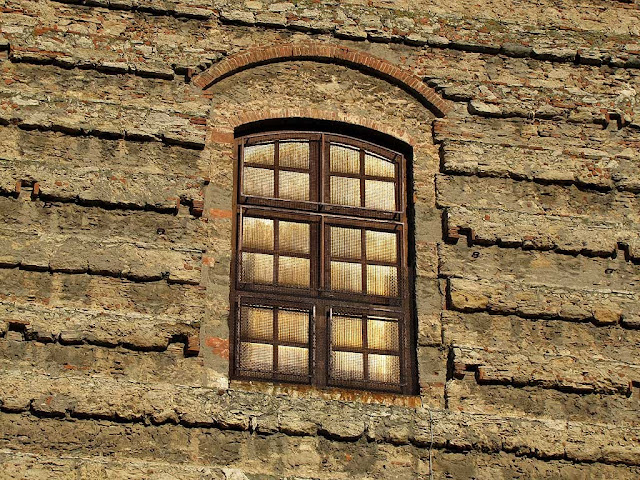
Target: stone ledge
[[103, 187], [537, 267], [137, 261], [48, 118], [588, 168], [69, 326], [280, 456], [602, 307], [101, 398], [587, 140], [566, 235], [569, 357]]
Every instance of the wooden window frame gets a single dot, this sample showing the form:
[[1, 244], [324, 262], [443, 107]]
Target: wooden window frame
[[319, 298]]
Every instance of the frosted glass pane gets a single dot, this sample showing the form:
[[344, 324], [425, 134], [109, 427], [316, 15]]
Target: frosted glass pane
[[344, 159], [346, 277], [256, 357], [294, 237], [260, 154], [293, 360], [380, 195], [384, 368], [381, 246], [294, 154], [257, 233], [382, 334], [293, 326], [258, 182], [346, 243], [293, 185], [345, 191], [256, 323], [347, 366], [256, 268], [346, 332], [382, 280], [293, 271], [378, 166]]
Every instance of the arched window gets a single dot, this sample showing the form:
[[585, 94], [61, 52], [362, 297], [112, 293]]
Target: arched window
[[321, 287]]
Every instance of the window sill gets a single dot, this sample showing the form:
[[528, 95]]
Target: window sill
[[332, 393]]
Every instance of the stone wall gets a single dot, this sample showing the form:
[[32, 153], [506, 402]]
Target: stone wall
[[117, 120]]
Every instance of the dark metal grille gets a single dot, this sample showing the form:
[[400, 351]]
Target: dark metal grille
[[320, 278]]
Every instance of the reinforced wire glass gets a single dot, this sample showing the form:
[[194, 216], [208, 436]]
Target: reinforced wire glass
[[258, 182], [376, 166], [294, 271], [294, 154], [373, 356], [294, 237], [262, 154], [345, 191], [293, 185], [261, 347], [257, 233], [380, 195], [344, 159]]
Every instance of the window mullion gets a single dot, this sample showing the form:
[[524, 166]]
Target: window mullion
[[320, 343]]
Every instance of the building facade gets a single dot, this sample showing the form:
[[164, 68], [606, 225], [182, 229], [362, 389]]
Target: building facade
[[314, 239]]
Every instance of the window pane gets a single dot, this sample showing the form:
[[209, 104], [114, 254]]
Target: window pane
[[381, 246], [293, 271], [260, 154], [382, 280], [293, 185], [256, 323], [257, 182], [344, 159], [346, 277], [293, 326], [347, 366], [380, 195], [256, 357], [294, 154], [346, 243], [293, 360], [378, 166], [294, 237], [382, 334], [257, 233], [345, 191], [346, 332], [256, 268], [384, 368]]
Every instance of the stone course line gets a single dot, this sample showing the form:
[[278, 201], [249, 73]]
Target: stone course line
[[277, 20], [131, 402]]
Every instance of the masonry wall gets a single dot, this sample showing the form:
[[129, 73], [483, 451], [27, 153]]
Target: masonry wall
[[117, 120]]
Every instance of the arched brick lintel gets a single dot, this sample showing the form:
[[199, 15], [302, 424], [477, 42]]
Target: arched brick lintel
[[328, 54]]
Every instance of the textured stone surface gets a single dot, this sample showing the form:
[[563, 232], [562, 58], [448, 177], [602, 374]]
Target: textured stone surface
[[116, 181]]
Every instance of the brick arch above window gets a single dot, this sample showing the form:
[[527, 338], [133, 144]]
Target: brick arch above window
[[326, 54]]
